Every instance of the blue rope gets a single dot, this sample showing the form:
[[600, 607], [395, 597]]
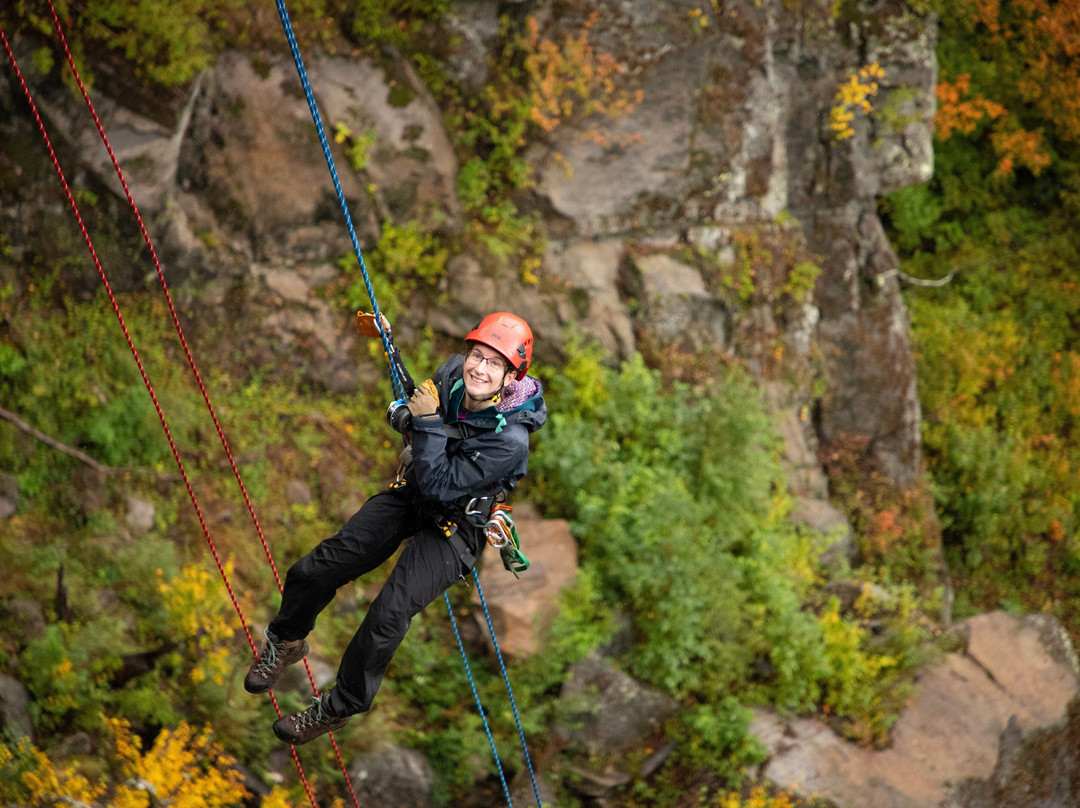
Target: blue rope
[[479, 705], [395, 379], [509, 690], [398, 385]]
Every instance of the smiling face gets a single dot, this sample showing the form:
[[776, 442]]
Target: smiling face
[[485, 374]]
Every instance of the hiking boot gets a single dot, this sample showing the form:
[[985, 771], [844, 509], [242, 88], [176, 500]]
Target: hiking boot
[[309, 724], [276, 656]]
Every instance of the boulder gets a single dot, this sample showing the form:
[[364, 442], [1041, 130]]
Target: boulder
[[1036, 771], [140, 514], [522, 607], [1017, 676], [611, 711], [15, 708], [392, 777]]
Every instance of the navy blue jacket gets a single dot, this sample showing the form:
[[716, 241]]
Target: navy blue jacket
[[481, 454]]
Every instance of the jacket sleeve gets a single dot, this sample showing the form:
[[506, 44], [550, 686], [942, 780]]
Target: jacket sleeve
[[481, 464]]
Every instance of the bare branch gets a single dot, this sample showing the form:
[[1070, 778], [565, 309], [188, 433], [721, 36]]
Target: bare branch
[[925, 281], [909, 279], [41, 436]]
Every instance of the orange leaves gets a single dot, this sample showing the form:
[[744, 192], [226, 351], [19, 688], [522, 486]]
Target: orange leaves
[[573, 79], [959, 112], [956, 113], [987, 12], [1020, 148], [1039, 52]]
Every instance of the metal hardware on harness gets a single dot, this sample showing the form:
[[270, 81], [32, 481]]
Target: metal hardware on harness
[[476, 511], [498, 529], [503, 536]]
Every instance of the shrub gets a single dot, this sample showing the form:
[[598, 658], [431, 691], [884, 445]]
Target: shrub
[[678, 496]]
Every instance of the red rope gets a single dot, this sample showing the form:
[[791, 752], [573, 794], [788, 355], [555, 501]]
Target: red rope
[[145, 377]]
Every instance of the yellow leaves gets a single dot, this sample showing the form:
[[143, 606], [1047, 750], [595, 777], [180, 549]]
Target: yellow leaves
[[699, 17], [759, 797], [196, 609], [853, 96], [27, 776], [184, 768], [573, 79]]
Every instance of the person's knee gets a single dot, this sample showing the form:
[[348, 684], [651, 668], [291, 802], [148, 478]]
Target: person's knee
[[390, 616], [303, 572]]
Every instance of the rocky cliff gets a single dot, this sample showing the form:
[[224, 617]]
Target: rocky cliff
[[726, 174], [723, 213]]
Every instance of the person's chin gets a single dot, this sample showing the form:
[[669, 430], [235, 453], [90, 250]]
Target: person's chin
[[478, 393]]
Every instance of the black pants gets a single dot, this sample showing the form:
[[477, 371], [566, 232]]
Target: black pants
[[428, 565]]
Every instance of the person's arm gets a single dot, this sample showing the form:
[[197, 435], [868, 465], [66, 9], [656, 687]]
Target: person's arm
[[489, 461]]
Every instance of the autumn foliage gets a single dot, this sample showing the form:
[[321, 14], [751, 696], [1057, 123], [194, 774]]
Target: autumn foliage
[[1030, 59], [182, 767], [999, 373]]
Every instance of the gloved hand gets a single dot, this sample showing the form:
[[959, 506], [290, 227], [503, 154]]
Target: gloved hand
[[425, 400]]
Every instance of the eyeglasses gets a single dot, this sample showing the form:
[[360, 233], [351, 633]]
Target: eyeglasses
[[496, 364]]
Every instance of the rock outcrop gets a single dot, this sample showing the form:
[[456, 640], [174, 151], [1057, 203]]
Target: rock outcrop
[[684, 223], [959, 736], [522, 607]]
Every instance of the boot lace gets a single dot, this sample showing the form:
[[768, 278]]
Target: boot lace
[[312, 716], [268, 658]]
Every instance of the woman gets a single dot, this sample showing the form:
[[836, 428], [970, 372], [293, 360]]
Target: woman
[[469, 444]]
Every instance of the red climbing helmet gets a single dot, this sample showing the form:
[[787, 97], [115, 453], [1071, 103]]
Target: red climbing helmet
[[509, 335]]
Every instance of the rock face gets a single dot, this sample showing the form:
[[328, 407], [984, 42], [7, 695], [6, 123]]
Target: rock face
[[15, 708], [393, 777], [682, 222], [965, 724], [521, 607]]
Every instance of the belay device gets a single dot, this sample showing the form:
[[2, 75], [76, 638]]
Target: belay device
[[503, 536]]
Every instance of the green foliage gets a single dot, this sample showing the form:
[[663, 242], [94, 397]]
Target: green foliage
[[73, 378], [167, 43], [405, 259], [12, 362], [800, 283], [67, 671], [357, 147], [997, 367], [673, 491], [715, 738], [915, 213], [163, 43], [395, 23]]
